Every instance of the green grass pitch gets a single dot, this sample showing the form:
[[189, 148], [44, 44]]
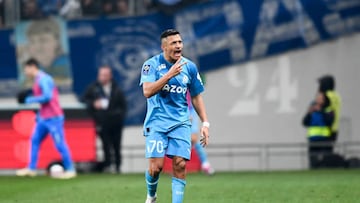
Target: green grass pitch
[[318, 186]]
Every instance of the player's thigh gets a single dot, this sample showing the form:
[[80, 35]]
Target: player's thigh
[[194, 138], [39, 133], [56, 130], [156, 144], [180, 142], [195, 128]]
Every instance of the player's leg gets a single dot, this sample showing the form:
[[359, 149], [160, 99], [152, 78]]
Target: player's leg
[[56, 130], [180, 150], [152, 175], [38, 135], [116, 137], [106, 144], [156, 144], [178, 181]]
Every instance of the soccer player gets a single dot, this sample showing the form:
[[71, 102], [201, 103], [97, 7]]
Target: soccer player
[[165, 79], [50, 120]]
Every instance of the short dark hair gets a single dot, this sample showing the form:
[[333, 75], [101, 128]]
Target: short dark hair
[[326, 83], [168, 32], [32, 62]]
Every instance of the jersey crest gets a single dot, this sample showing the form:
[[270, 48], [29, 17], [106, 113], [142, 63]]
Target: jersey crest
[[146, 69]]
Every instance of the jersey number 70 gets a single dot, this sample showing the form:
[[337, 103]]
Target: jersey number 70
[[153, 144]]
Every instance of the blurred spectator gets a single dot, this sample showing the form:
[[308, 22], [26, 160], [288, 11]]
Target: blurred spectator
[[90, 7], [2, 22], [169, 6], [107, 7], [30, 10], [115, 8], [71, 9], [122, 7], [50, 7]]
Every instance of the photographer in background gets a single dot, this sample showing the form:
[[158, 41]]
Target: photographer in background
[[318, 123], [327, 87]]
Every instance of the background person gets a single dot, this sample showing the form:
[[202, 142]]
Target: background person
[[327, 87], [318, 123], [106, 104], [50, 120]]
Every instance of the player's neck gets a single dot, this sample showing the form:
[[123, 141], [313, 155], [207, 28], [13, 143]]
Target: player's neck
[[169, 59], [36, 72]]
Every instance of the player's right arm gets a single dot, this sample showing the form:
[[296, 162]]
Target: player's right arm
[[150, 88], [46, 86]]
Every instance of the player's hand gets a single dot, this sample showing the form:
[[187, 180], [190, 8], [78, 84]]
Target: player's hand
[[204, 136], [176, 68], [21, 96]]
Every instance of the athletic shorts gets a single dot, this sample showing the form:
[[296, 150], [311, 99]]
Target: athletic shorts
[[176, 142]]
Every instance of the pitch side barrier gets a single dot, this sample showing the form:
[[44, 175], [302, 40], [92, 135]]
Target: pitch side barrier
[[252, 156], [241, 157]]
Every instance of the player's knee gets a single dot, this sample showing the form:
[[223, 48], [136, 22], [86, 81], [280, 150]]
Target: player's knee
[[180, 164], [155, 170]]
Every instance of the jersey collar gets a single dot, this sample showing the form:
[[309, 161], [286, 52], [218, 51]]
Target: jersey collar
[[163, 60]]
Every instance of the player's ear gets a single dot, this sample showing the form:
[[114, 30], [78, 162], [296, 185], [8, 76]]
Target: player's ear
[[163, 44]]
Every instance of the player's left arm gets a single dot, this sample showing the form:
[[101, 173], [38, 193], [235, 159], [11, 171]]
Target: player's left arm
[[196, 88], [46, 86], [199, 106]]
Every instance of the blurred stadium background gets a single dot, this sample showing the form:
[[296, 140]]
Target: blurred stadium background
[[261, 60]]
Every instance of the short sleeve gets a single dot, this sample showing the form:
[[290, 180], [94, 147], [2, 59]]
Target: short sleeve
[[147, 73], [196, 85], [46, 84]]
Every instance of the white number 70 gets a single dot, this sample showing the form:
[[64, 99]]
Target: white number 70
[[158, 145]]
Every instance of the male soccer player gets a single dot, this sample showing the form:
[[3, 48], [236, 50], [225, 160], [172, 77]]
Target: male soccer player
[[50, 120], [165, 79]]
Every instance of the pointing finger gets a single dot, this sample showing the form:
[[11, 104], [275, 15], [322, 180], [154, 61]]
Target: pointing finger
[[183, 63]]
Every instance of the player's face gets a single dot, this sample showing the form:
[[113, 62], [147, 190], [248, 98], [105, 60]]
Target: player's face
[[172, 47], [104, 76], [29, 71], [320, 99]]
